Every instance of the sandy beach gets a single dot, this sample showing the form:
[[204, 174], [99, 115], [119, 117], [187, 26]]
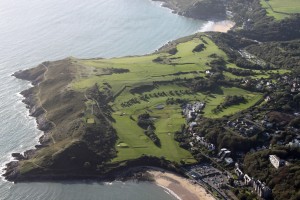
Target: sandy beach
[[181, 188], [221, 26]]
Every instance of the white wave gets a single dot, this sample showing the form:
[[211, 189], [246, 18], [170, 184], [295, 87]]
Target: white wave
[[108, 183], [170, 192], [207, 26]]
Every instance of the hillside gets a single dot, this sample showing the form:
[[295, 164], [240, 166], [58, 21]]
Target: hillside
[[108, 95]]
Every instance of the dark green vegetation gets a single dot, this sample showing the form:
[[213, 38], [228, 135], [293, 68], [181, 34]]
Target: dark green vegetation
[[253, 22], [198, 9], [103, 115], [147, 123], [285, 54], [229, 101], [285, 180]]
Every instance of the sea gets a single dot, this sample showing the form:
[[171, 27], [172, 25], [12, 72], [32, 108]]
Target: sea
[[33, 31]]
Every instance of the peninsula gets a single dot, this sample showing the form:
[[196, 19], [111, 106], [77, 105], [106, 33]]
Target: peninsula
[[208, 105]]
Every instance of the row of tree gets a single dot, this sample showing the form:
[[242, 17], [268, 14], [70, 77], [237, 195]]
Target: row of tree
[[146, 122]]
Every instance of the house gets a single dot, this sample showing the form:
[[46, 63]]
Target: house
[[268, 98], [211, 147], [222, 151], [239, 173], [247, 179], [225, 154], [276, 161], [207, 72], [190, 111], [261, 189], [228, 161], [198, 106]]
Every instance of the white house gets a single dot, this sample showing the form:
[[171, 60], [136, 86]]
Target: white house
[[276, 161]]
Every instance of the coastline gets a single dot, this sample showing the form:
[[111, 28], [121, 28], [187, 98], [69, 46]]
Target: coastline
[[179, 187], [12, 168], [212, 25]]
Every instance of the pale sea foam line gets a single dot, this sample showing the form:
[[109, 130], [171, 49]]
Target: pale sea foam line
[[161, 5], [170, 192], [37, 132], [7, 159], [108, 183], [207, 26]]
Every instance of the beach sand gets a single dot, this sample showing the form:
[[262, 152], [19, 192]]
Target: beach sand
[[223, 26], [180, 187]]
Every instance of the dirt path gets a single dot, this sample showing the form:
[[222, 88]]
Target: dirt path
[[39, 99]]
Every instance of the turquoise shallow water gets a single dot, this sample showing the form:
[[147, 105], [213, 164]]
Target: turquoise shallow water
[[33, 31]]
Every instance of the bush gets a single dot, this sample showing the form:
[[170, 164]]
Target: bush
[[145, 122], [199, 48]]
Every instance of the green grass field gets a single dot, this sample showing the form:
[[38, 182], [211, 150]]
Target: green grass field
[[213, 102], [185, 64], [281, 7]]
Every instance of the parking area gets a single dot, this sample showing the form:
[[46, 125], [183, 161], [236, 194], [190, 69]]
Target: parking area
[[208, 174]]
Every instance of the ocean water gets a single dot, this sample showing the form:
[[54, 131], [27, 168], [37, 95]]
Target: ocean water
[[33, 31]]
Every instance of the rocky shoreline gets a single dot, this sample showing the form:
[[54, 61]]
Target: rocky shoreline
[[12, 168]]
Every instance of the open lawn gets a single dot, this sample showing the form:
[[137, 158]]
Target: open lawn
[[135, 93], [281, 9], [216, 99]]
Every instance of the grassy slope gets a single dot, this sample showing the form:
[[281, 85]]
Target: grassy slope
[[213, 102], [287, 6], [54, 94], [132, 141]]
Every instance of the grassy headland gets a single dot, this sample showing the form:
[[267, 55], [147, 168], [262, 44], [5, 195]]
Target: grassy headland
[[281, 9], [100, 101]]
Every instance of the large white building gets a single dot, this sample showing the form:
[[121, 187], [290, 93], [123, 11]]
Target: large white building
[[276, 161]]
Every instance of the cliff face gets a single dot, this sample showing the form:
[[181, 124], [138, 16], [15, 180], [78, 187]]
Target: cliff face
[[69, 145], [207, 10], [198, 9], [56, 109]]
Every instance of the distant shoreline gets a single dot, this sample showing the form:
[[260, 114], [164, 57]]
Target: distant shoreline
[[178, 186], [211, 25]]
